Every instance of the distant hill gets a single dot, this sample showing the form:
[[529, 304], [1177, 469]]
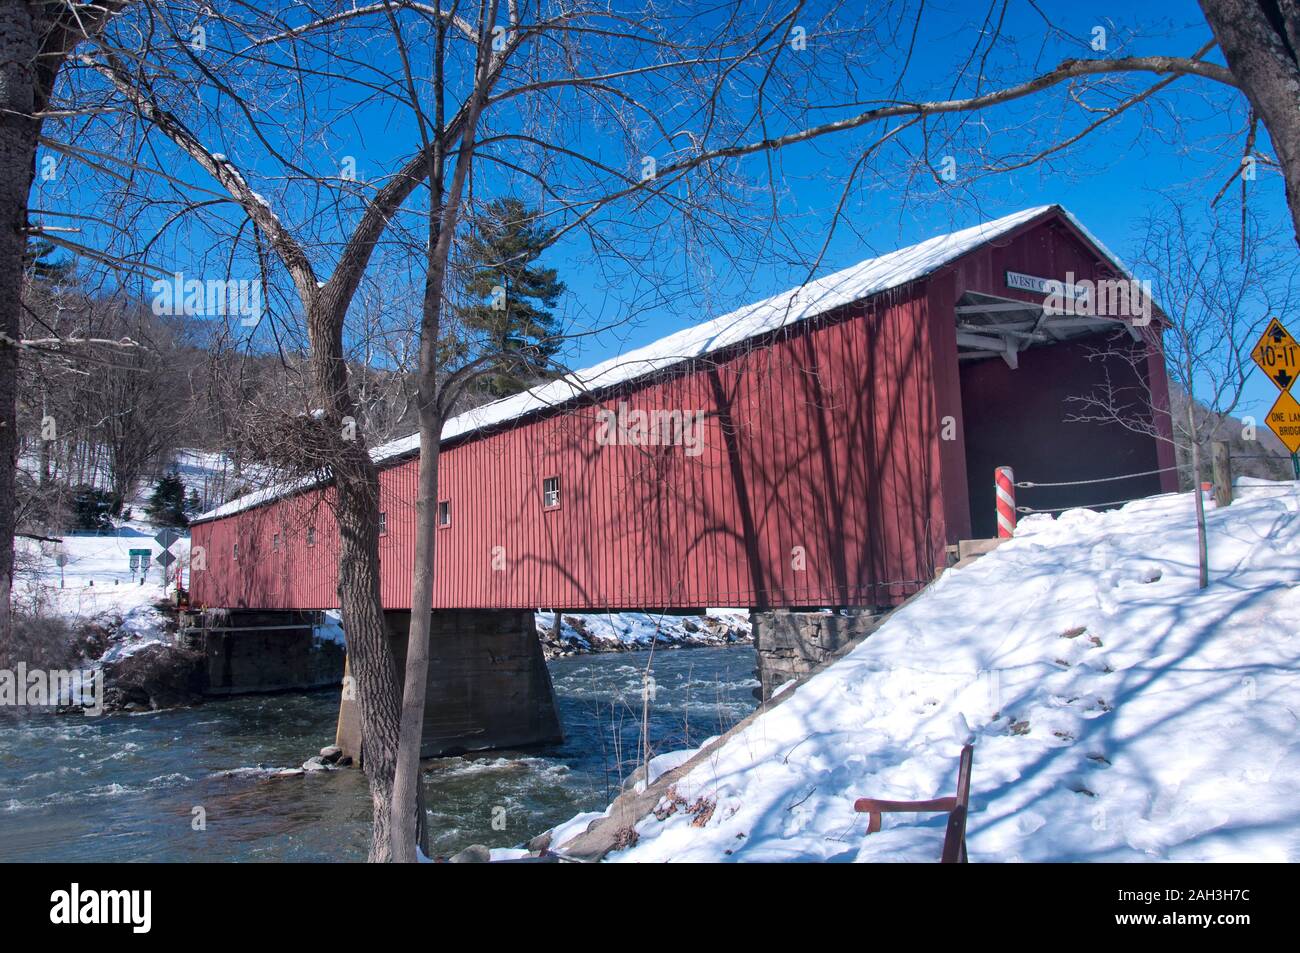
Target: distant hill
[[1264, 457]]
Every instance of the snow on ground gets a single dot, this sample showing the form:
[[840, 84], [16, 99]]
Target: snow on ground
[[141, 626], [210, 474], [97, 578], [1118, 712], [98, 586]]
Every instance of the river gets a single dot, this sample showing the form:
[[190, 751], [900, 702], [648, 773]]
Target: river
[[197, 784]]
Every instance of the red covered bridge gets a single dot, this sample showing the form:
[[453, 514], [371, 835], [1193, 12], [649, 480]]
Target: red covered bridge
[[820, 448], [823, 448]]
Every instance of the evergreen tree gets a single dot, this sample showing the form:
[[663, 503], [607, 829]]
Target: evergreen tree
[[94, 509], [39, 260], [166, 506], [514, 296]]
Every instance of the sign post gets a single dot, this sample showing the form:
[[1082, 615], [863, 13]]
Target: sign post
[[166, 538], [140, 561], [1278, 355]]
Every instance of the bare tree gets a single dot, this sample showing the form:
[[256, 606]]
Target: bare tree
[[35, 40], [1217, 287], [1260, 39], [339, 450]]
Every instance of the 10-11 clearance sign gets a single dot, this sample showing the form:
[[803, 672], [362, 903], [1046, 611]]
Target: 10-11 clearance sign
[[1278, 356]]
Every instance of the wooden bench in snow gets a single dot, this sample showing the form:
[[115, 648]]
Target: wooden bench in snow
[[954, 841]]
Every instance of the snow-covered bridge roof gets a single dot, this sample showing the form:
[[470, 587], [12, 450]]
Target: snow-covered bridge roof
[[817, 297]]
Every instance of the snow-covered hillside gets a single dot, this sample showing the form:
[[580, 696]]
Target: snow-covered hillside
[[97, 586], [1118, 713], [97, 577]]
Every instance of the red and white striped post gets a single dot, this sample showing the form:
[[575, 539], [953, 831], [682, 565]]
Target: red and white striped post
[[1004, 484]]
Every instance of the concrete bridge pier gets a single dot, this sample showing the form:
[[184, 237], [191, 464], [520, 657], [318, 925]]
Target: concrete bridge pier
[[488, 684], [247, 651]]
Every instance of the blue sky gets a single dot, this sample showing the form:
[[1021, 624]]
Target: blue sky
[[1110, 180], [1185, 149]]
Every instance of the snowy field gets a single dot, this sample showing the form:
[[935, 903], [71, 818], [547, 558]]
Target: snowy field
[[97, 578], [1118, 713]]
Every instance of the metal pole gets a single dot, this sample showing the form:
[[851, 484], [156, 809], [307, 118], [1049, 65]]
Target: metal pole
[[1295, 464]]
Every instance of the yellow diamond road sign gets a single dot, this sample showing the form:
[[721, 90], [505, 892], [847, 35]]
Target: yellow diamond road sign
[[1278, 355], [1284, 420]]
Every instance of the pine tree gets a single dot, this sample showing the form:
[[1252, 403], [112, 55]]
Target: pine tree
[[166, 506], [514, 295], [39, 261], [94, 509]]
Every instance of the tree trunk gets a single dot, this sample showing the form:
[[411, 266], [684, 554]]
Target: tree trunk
[[35, 39], [356, 485], [20, 43], [370, 658], [1260, 39], [415, 687], [1202, 543], [407, 788], [444, 208]]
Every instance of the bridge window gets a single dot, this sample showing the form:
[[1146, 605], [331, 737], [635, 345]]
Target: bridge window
[[234, 552], [444, 513], [383, 524], [275, 542], [551, 493], [311, 535]]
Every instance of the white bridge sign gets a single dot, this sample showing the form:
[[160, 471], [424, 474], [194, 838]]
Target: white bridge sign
[[1046, 286]]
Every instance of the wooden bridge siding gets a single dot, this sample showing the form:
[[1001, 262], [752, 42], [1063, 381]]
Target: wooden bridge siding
[[792, 457]]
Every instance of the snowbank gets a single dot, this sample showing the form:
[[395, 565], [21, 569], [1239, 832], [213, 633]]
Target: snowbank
[[1118, 712], [112, 614]]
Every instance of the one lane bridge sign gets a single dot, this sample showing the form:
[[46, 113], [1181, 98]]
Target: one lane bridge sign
[[1284, 420], [1278, 356]]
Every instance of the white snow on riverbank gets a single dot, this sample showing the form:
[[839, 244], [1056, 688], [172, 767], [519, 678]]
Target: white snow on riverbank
[[615, 631], [1118, 712], [97, 588]]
